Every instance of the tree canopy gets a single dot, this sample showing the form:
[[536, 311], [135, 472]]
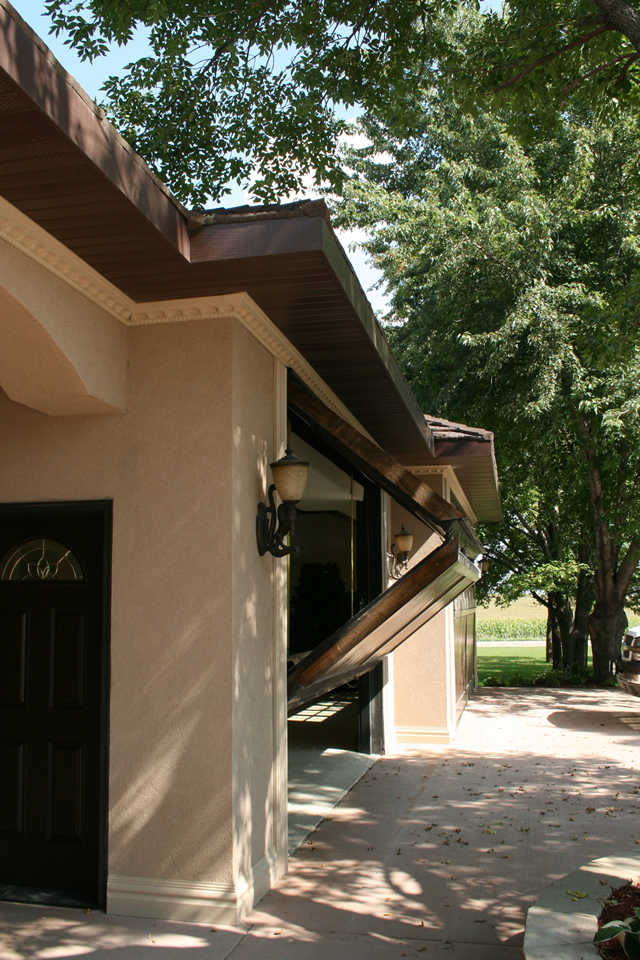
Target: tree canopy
[[253, 92], [514, 274]]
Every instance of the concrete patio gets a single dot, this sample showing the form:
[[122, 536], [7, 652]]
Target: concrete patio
[[432, 851]]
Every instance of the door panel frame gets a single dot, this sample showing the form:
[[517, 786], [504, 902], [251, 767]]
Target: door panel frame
[[104, 510]]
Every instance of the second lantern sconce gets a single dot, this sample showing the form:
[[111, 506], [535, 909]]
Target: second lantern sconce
[[399, 561], [289, 480]]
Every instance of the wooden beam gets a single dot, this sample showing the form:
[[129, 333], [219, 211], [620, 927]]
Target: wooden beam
[[414, 495], [382, 625]]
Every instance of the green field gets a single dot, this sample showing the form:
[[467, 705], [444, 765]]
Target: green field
[[503, 628], [515, 629]]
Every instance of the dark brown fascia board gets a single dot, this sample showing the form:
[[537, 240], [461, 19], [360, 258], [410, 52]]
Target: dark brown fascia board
[[260, 239], [463, 448], [345, 275], [30, 64]]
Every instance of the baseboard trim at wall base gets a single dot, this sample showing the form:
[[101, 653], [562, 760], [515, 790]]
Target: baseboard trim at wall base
[[415, 736], [188, 900], [253, 885]]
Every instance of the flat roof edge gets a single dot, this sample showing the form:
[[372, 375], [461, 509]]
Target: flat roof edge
[[41, 91], [341, 266]]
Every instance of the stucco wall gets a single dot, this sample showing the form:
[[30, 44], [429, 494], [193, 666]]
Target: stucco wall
[[60, 353], [182, 467], [253, 590], [421, 672]]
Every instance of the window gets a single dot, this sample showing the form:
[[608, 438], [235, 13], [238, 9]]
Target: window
[[41, 560]]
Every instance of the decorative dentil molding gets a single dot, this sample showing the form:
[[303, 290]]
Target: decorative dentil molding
[[37, 244]]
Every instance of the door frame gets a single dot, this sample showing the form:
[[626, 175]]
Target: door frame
[[370, 575], [103, 509]]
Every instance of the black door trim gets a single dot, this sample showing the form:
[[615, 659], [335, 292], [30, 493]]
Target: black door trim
[[78, 508]]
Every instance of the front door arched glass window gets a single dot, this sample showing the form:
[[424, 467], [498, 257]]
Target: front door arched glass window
[[42, 560]]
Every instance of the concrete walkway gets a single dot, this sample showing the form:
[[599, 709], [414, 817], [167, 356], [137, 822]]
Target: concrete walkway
[[431, 852]]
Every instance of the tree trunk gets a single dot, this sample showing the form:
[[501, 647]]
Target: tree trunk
[[613, 573], [623, 17], [606, 626], [549, 634], [556, 635], [564, 614], [585, 596]]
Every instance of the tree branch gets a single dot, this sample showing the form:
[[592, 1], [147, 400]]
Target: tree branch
[[629, 57], [579, 42], [627, 568]]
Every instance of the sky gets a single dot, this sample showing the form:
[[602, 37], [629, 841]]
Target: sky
[[91, 76]]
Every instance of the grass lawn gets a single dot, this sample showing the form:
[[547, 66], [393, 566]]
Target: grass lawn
[[498, 661]]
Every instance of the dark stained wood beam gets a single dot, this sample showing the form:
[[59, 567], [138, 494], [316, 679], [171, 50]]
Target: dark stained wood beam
[[382, 625], [414, 495]]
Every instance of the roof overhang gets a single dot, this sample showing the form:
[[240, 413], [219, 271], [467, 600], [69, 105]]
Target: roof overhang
[[470, 452], [65, 167]]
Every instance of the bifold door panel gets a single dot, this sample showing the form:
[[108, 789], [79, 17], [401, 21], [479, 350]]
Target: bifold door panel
[[382, 625]]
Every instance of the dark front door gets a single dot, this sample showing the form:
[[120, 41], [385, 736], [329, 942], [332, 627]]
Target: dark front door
[[52, 664]]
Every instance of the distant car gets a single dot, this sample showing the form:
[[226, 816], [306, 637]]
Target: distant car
[[628, 666]]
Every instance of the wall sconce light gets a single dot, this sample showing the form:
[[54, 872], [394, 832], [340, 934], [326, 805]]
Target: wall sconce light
[[289, 479], [399, 562], [485, 564]]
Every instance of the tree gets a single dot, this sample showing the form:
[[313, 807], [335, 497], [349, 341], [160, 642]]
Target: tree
[[513, 269], [252, 92], [538, 55], [541, 549]]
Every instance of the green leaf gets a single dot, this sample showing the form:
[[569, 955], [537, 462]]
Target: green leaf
[[610, 930]]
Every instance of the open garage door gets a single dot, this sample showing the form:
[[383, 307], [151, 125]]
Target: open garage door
[[362, 642], [407, 489]]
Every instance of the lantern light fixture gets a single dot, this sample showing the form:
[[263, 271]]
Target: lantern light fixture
[[273, 524], [399, 561]]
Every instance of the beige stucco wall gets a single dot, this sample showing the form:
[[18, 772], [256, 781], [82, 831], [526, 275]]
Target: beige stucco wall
[[421, 665], [191, 724], [253, 665], [60, 353]]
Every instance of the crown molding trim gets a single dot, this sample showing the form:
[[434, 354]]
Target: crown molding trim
[[37, 244], [449, 474]]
